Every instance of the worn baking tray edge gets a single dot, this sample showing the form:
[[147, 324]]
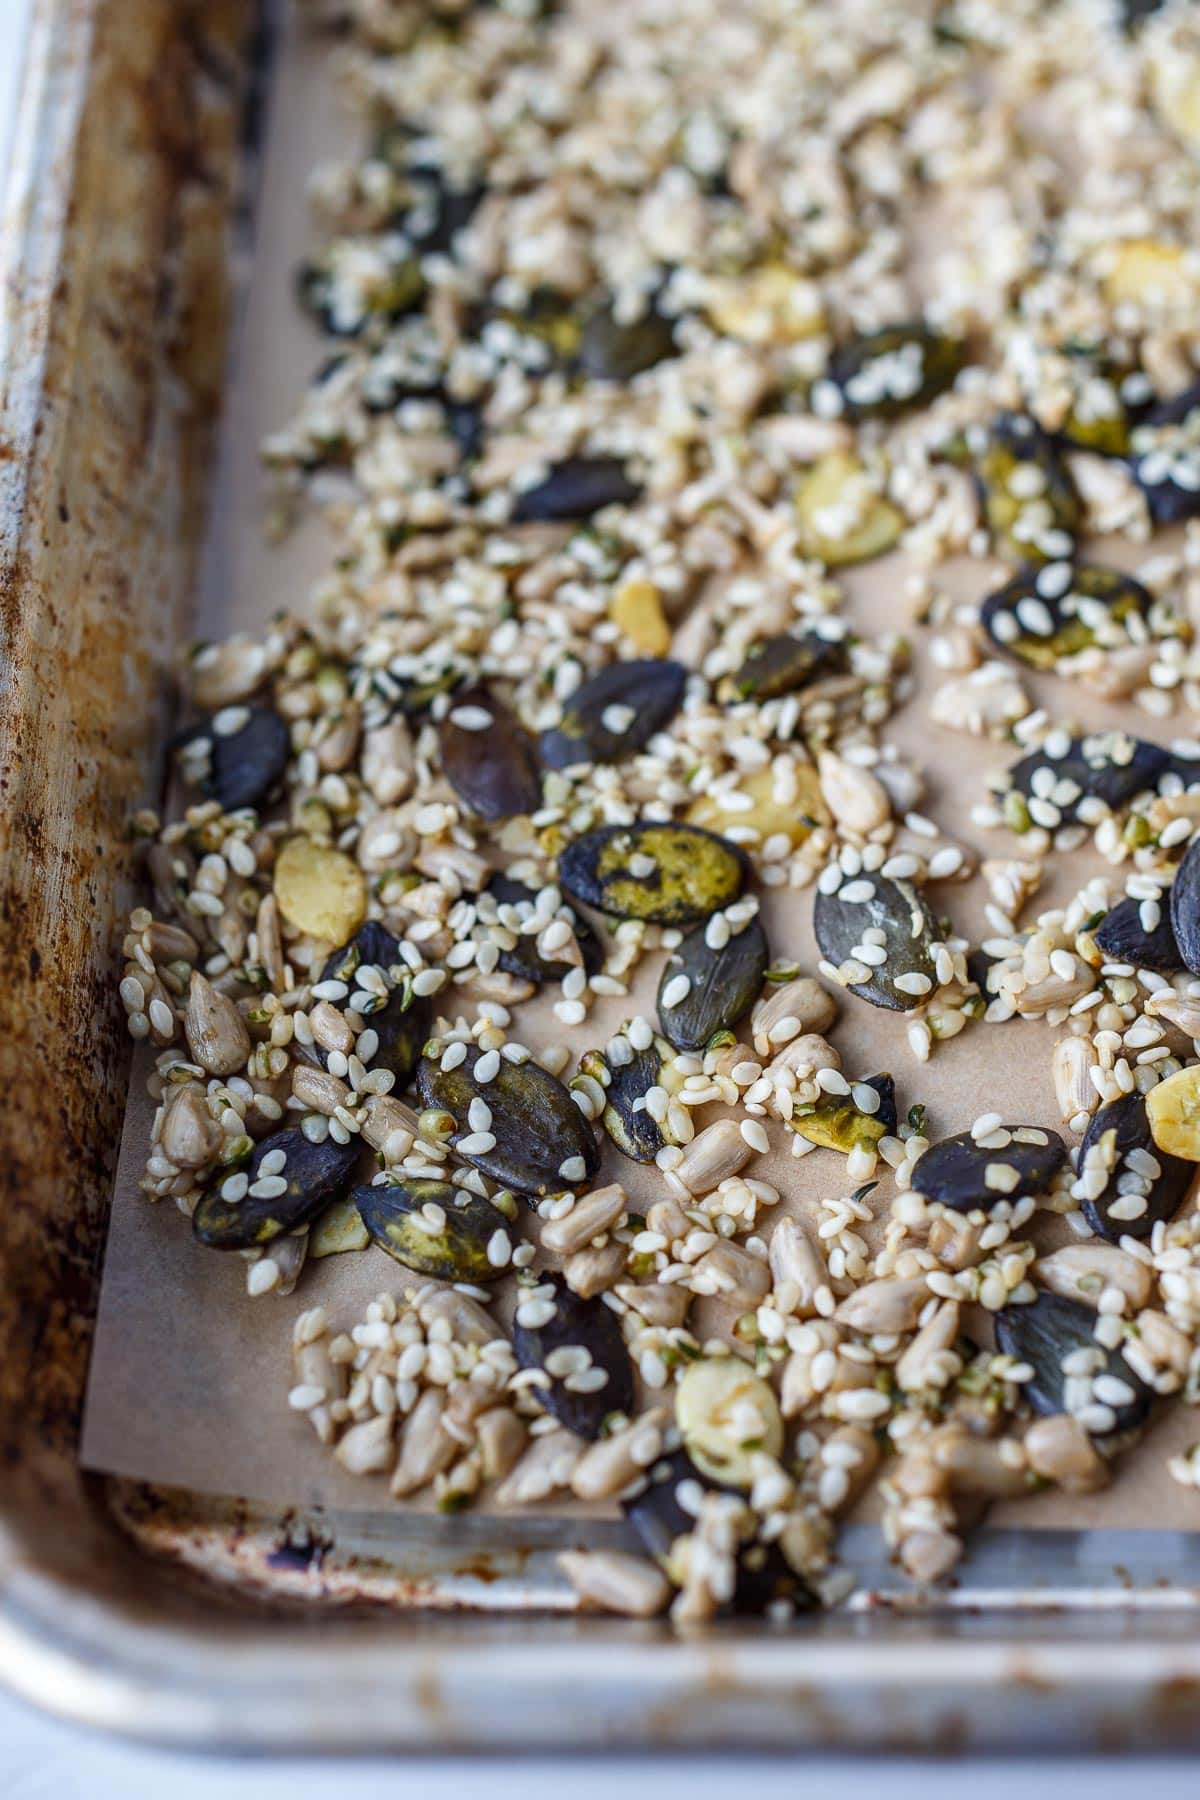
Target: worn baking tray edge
[[113, 329]]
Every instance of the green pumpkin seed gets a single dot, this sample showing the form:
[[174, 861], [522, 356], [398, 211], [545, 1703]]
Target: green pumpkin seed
[[312, 1174], [539, 1141], [968, 1176], [1045, 617], [886, 373], [616, 713], [841, 1122], [437, 1229], [1108, 403], [338, 1232], [711, 989], [1045, 1333], [665, 874], [578, 1345], [1032, 509], [1119, 1145], [615, 350], [786, 663], [491, 766], [859, 905]]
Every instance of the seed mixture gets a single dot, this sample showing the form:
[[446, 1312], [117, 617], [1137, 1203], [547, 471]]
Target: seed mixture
[[475, 935]]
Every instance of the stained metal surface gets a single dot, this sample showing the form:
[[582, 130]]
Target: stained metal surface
[[209, 1623]]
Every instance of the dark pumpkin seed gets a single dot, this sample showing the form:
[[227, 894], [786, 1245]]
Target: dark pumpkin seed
[[786, 663], [371, 946], [402, 1021], [632, 1129], [246, 766], [537, 1128], [1121, 937], [724, 984], [344, 309], [315, 1174], [839, 1122], [1108, 766], [524, 959], [437, 210], [886, 373], [1046, 1331], [1119, 1131], [1042, 617], [494, 769], [1166, 458], [1185, 908], [1032, 509], [582, 1326], [665, 874], [616, 713], [968, 1177], [612, 350], [876, 903], [1109, 403], [438, 1229], [575, 489]]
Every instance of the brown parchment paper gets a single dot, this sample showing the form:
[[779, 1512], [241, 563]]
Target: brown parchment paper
[[189, 1376]]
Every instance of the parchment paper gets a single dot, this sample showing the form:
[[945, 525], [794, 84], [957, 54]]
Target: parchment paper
[[189, 1376]]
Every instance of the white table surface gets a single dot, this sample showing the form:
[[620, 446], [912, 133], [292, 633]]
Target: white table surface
[[41, 1759]]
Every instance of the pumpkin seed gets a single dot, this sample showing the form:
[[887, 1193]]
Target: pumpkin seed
[[1046, 790], [1121, 936], [319, 890], [842, 516], [313, 1175], [401, 1023], [885, 373], [1109, 402], [1041, 618], [634, 1130], [875, 904], [839, 1122], [1173, 1110], [524, 960], [343, 307], [245, 765], [786, 663], [727, 1415], [968, 1176], [1142, 1183], [614, 350], [1166, 458], [540, 1142], [437, 211], [616, 713], [372, 945], [1185, 908], [665, 874], [722, 984], [574, 1342], [1047, 1332], [339, 1231], [1029, 499], [795, 817], [437, 1229], [575, 489], [493, 769]]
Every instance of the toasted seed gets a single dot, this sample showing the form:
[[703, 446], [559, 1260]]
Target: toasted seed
[[886, 373], [575, 489], [1084, 1271], [216, 1032], [596, 1212], [1121, 1130], [888, 1306], [437, 1229], [1028, 528], [247, 765], [733, 1273], [634, 1130], [1047, 1331], [1108, 766], [616, 713], [315, 1174], [338, 1231], [797, 1265], [190, 1136], [1060, 1450], [535, 1124], [1173, 1110], [727, 1414], [841, 515], [857, 799], [613, 1581], [911, 932], [964, 1175], [690, 873], [1072, 1063], [723, 984], [494, 771], [1122, 937], [614, 350], [1040, 622], [320, 890], [838, 1122], [786, 663], [713, 1155], [803, 999], [1166, 460], [577, 1398], [544, 1468], [1185, 908]]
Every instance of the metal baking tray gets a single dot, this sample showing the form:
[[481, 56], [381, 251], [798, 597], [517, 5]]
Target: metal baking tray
[[181, 1619]]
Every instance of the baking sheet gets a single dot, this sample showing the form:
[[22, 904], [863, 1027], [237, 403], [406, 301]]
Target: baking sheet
[[189, 1377]]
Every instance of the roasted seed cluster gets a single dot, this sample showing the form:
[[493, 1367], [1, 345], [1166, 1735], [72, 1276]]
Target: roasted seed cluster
[[625, 365]]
